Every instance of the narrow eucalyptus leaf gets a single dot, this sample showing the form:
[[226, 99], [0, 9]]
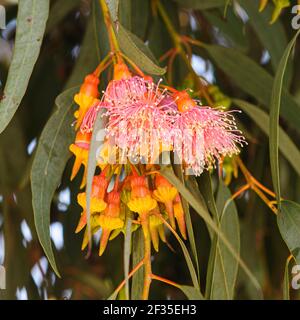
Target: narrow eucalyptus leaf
[[31, 24]]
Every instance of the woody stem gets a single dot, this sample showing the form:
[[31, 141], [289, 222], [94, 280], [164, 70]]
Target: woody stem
[[164, 280], [147, 255], [113, 42], [133, 271]]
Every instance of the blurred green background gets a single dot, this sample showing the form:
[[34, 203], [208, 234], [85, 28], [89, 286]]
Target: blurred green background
[[74, 42]]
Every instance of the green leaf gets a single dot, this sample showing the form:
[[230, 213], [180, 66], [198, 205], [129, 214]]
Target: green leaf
[[92, 281], [186, 256], [190, 231], [261, 118], [139, 22], [191, 292], [286, 281], [135, 49], [127, 254], [31, 23], [272, 37], [59, 10], [48, 165], [53, 152], [224, 267], [253, 79], [113, 7], [126, 12], [288, 220], [137, 257], [201, 210], [232, 28], [201, 5], [274, 116]]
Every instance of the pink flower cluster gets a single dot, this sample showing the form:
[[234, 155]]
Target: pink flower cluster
[[144, 119]]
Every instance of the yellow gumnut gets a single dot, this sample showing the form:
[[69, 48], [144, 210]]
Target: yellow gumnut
[[154, 221], [110, 223], [94, 228], [165, 194], [97, 205], [81, 157], [142, 205]]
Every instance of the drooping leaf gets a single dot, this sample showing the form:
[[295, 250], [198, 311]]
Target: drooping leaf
[[203, 4], [191, 292], [135, 49], [59, 10], [288, 220], [113, 7], [127, 254], [286, 281], [231, 27], [53, 149], [274, 116], [224, 267], [253, 79], [139, 21], [190, 231], [92, 281], [48, 165], [286, 145], [272, 37], [137, 257], [198, 206], [31, 23], [126, 10], [187, 257]]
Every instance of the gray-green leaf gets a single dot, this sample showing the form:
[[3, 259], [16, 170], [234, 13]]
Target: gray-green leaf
[[274, 116], [288, 220], [261, 118], [31, 24], [253, 79], [223, 267], [135, 49]]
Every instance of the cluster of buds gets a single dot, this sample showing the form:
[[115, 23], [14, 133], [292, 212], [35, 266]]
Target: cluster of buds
[[132, 198], [144, 119]]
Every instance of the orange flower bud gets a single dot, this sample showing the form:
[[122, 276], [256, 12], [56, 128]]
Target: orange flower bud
[[184, 101], [99, 186], [139, 188], [141, 200], [90, 86], [110, 219], [97, 203], [121, 71], [165, 193], [86, 97]]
